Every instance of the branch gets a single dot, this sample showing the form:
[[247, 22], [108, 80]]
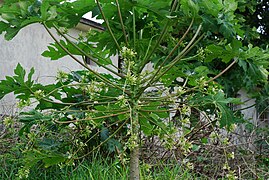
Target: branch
[[163, 33], [173, 50], [108, 26], [178, 58], [86, 54], [91, 110], [104, 141], [134, 28], [121, 22], [222, 72], [88, 119], [178, 44], [190, 45], [155, 110], [88, 140], [99, 76], [95, 55], [217, 76]]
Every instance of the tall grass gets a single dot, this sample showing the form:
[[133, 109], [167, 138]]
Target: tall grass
[[97, 168]]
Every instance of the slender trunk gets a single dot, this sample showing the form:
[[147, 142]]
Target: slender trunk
[[134, 155], [134, 164]]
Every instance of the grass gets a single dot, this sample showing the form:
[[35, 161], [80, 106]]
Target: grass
[[101, 168], [96, 169]]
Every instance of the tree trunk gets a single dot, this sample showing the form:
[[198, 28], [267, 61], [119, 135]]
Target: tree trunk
[[134, 155], [134, 164]]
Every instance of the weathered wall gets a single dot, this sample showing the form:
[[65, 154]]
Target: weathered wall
[[26, 48]]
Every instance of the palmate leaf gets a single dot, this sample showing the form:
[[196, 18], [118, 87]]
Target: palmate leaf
[[18, 83], [189, 8], [152, 117], [105, 41], [48, 144], [254, 63], [56, 52], [30, 118], [32, 157], [112, 144], [158, 7], [151, 11], [3, 26], [226, 28], [218, 17], [24, 88], [17, 15], [53, 159], [224, 52], [158, 121], [212, 7], [210, 23], [145, 125], [230, 5], [70, 13], [221, 103]]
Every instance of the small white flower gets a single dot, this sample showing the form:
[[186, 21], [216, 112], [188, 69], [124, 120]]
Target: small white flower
[[39, 94], [70, 116]]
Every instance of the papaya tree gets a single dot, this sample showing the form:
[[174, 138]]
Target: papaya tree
[[166, 49]]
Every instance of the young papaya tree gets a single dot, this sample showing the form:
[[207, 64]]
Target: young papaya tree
[[166, 49]]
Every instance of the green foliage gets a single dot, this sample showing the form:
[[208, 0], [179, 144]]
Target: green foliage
[[225, 114], [23, 13], [96, 168], [188, 43], [18, 84]]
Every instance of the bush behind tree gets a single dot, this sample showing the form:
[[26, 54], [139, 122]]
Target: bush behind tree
[[190, 44]]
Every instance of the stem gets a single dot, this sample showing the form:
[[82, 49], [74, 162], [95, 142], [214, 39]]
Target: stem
[[159, 40], [149, 47], [99, 76], [173, 50], [182, 54], [177, 45], [92, 110], [121, 22], [134, 27], [94, 55], [155, 110], [239, 110], [134, 164], [222, 72], [107, 24], [91, 119], [98, 131], [190, 45], [104, 141], [86, 54], [217, 76]]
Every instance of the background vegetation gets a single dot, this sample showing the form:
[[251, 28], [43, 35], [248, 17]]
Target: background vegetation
[[175, 120]]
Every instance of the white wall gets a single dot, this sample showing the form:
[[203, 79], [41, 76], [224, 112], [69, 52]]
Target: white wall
[[26, 48]]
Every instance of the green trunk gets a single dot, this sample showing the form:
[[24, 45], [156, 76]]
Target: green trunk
[[134, 164], [134, 156]]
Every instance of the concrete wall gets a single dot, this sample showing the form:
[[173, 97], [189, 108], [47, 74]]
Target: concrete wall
[[26, 48]]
